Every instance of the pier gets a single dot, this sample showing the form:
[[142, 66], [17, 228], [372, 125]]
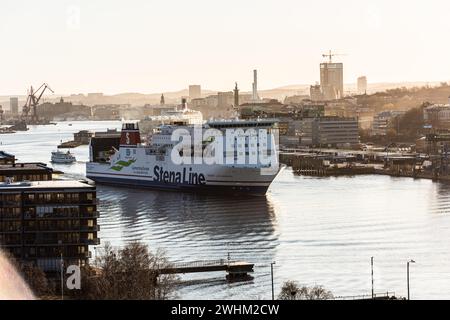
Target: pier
[[236, 270], [80, 138], [334, 162], [376, 296]]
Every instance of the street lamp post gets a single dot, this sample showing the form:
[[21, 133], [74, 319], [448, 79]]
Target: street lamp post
[[407, 274], [62, 277], [371, 265], [271, 275]]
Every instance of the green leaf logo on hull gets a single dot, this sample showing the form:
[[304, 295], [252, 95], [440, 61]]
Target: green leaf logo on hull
[[119, 165]]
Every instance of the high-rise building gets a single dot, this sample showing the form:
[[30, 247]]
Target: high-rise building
[[14, 105], [255, 96], [43, 220], [332, 80], [362, 85], [195, 91]]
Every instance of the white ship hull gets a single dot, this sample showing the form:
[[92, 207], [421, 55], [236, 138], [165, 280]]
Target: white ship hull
[[196, 178]]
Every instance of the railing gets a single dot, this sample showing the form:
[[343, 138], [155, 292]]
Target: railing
[[384, 295], [196, 264]]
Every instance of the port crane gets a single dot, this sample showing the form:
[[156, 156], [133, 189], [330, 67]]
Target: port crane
[[330, 56], [33, 100]]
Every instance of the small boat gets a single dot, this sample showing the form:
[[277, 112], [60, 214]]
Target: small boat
[[63, 157]]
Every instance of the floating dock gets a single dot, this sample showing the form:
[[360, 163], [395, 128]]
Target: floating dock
[[236, 270]]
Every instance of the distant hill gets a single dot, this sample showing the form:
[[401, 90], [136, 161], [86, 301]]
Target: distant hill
[[174, 97]]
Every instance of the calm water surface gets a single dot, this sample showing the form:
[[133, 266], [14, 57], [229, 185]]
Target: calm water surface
[[318, 230]]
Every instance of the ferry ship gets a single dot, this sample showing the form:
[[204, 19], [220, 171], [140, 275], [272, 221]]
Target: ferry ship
[[204, 169], [63, 157]]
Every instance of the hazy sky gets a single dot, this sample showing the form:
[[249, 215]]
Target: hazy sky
[[152, 46]]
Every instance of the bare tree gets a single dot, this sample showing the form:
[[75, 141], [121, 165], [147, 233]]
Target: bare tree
[[37, 280], [292, 291], [32, 275], [128, 273]]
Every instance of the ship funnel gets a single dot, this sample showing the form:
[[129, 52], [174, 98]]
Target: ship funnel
[[130, 136]]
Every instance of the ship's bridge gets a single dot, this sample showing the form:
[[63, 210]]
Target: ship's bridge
[[130, 125]]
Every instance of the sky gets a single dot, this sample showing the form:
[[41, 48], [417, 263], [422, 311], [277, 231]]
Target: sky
[[149, 46]]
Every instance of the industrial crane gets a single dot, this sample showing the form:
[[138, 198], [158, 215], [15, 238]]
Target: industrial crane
[[330, 55], [33, 100]]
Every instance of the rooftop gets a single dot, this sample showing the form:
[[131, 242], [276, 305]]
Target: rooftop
[[25, 166], [4, 154], [438, 106], [55, 184]]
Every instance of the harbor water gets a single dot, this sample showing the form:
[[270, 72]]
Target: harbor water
[[318, 230]]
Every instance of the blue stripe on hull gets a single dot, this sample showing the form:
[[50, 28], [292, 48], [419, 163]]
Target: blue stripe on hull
[[252, 190]]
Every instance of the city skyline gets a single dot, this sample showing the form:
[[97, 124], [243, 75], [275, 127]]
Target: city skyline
[[81, 46]]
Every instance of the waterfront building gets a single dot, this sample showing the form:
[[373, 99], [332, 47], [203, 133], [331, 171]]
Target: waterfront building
[[362, 85], [82, 136], [14, 105], [106, 112], [437, 115], [63, 109], [25, 172], [437, 143], [329, 131], [195, 92], [332, 80], [290, 132], [385, 120], [7, 158], [42, 222]]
